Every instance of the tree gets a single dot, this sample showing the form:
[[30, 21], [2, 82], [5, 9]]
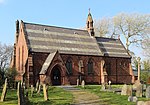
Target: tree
[[146, 65], [145, 73], [133, 27], [146, 46], [5, 55], [102, 27], [10, 75]]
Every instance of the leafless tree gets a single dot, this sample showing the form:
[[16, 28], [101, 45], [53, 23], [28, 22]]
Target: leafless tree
[[146, 46], [131, 26], [5, 55]]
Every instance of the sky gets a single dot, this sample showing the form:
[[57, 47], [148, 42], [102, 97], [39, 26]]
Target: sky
[[63, 13]]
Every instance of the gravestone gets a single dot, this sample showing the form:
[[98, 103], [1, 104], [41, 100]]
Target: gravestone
[[83, 84], [126, 90], [138, 87], [132, 99], [103, 86], [140, 103], [20, 92], [39, 89], [32, 90], [77, 82], [45, 92], [148, 92], [136, 83], [4, 91], [139, 90], [147, 103]]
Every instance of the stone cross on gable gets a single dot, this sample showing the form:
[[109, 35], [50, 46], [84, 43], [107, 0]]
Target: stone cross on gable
[[89, 10]]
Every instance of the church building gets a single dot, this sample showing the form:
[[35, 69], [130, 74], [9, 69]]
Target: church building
[[59, 56]]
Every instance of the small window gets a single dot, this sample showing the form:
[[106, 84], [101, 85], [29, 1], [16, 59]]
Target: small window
[[90, 66], [69, 65]]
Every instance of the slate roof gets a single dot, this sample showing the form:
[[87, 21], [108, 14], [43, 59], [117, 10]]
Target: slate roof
[[112, 47], [47, 63], [43, 38]]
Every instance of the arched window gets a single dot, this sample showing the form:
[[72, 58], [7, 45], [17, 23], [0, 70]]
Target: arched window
[[69, 65], [90, 66]]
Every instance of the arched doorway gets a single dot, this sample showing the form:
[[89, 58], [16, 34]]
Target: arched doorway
[[56, 76]]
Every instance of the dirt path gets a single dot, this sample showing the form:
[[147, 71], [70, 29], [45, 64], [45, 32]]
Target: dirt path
[[82, 97]]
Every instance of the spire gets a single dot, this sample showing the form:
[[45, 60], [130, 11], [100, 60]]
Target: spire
[[89, 24]]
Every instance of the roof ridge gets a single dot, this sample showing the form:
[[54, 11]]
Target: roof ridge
[[54, 26], [106, 38]]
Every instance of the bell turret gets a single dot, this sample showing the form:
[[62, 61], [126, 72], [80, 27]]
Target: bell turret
[[89, 24]]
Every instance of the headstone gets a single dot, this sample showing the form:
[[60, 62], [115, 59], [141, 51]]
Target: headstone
[[138, 87], [132, 99], [77, 82], [126, 90], [148, 92], [109, 82], [136, 83], [104, 86], [140, 103], [139, 90], [45, 92], [147, 103], [20, 92], [83, 84], [39, 89], [4, 91], [32, 90]]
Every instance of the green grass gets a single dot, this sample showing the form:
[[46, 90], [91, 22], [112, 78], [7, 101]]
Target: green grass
[[57, 96], [110, 98]]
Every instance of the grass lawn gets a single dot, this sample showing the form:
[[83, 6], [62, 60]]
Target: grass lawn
[[57, 96], [110, 98]]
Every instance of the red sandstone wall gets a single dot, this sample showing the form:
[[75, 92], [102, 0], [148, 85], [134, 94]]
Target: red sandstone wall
[[120, 70], [21, 53], [89, 78]]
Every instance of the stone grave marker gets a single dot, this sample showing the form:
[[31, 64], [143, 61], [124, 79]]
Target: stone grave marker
[[77, 82], [126, 90], [147, 103], [39, 89], [138, 87], [32, 90], [132, 99], [148, 92], [4, 91], [83, 84], [140, 103], [139, 90], [45, 92], [20, 92], [143, 103], [103, 86], [136, 83]]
